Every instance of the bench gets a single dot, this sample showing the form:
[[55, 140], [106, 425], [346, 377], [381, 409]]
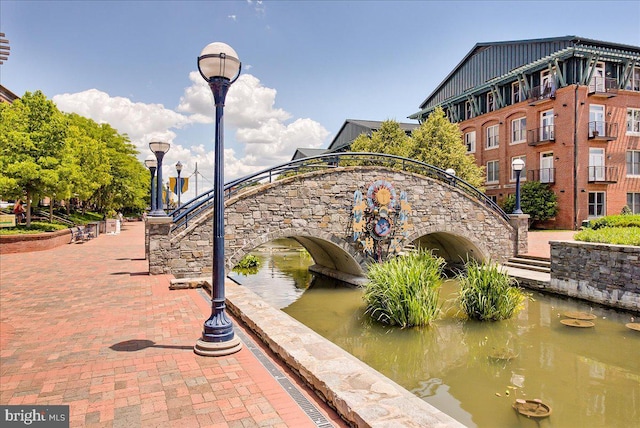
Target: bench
[[80, 234]]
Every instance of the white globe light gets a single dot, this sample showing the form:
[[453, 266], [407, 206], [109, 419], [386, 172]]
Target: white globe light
[[218, 59]]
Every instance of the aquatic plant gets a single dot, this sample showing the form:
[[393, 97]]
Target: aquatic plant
[[249, 261], [404, 290], [488, 293]]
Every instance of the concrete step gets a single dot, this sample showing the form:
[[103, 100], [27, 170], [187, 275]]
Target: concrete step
[[532, 261], [529, 264]]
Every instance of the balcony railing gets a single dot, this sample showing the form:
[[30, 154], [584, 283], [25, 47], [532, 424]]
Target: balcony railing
[[543, 175], [603, 86], [542, 135], [604, 131], [541, 94], [603, 174]]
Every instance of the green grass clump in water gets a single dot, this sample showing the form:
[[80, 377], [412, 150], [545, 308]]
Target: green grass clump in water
[[488, 293], [403, 291]]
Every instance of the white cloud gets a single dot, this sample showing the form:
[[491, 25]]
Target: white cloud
[[142, 122], [258, 135]]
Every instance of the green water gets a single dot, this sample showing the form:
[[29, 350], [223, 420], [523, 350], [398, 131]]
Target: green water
[[589, 376]]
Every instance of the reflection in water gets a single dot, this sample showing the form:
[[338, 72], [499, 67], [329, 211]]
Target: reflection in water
[[471, 370]]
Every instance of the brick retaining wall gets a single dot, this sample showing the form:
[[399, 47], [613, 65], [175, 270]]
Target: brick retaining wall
[[37, 242], [600, 273]]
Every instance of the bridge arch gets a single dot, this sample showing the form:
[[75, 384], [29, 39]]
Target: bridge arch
[[314, 208]]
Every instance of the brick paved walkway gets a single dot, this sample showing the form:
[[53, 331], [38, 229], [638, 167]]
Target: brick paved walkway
[[85, 325], [539, 241]]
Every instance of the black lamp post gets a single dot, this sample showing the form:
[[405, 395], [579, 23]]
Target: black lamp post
[[159, 148], [179, 184], [220, 66], [152, 164], [518, 166]]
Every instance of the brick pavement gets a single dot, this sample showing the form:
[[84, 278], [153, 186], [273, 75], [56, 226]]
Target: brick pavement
[[85, 325], [539, 241]]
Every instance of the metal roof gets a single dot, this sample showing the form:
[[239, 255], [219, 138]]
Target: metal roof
[[354, 127], [306, 152], [488, 61]]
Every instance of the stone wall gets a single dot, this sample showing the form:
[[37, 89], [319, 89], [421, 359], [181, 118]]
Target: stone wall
[[315, 208], [600, 273]]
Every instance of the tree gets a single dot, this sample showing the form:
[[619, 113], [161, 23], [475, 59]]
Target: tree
[[32, 139], [389, 139], [536, 199], [439, 142]]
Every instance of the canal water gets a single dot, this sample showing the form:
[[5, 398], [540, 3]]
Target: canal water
[[473, 371]]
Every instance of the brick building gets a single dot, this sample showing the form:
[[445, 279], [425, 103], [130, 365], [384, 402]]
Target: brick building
[[568, 106]]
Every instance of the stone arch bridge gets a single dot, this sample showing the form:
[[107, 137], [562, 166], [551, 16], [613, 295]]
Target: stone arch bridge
[[314, 207]]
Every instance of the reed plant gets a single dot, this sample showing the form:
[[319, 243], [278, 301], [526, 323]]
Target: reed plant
[[404, 291], [488, 293]]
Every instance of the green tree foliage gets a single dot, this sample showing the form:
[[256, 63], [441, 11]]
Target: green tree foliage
[[439, 142], [44, 152], [536, 199], [389, 139], [436, 142], [32, 138]]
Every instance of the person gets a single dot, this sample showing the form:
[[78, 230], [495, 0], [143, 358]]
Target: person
[[18, 210]]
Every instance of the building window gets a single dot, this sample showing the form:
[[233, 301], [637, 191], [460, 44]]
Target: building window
[[633, 121], [491, 102], [546, 128], [523, 173], [470, 141], [519, 130], [468, 110], [492, 137], [633, 202], [596, 204], [493, 171], [516, 93], [634, 80], [633, 162]]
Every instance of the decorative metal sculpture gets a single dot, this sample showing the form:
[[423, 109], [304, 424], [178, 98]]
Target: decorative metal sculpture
[[381, 220]]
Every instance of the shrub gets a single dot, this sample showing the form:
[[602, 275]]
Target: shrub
[[622, 220], [488, 293], [536, 199], [611, 235], [404, 290], [248, 261]]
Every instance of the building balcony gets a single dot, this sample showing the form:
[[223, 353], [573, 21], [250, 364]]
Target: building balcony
[[540, 94], [605, 87], [603, 131], [603, 174], [543, 135], [543, 175]]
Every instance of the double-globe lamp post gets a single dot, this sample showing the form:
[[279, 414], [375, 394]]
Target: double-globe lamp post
[[152, 164], [220, 66], [179, 183], [517, 165], [159, 148]]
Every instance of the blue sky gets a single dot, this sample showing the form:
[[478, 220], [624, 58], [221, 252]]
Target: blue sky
[[307, 65]]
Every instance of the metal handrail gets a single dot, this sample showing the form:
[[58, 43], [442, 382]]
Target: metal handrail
[[192, 208]]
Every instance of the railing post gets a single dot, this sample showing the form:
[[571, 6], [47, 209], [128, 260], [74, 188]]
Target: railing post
[[159, 229]]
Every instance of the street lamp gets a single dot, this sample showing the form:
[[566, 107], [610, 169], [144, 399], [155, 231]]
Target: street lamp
[[159, 148], [179, 184], [220, 66], [518, 165], [152, 164]]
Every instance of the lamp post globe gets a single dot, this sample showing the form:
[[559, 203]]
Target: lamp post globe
[[219, 66], [517, 165], [159, 148], [179, 184], [151, 163]]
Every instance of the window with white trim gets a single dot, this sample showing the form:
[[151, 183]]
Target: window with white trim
[[493, 171], [633, 162], [516, 93], [519, 130], [470, 141], [492, 137], [597, 204], [523, 173], [468, 110], [633, 202], [633, 121], [634, 80], [491, 102]]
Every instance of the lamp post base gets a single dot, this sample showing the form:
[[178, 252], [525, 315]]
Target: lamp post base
[[217, 349]]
